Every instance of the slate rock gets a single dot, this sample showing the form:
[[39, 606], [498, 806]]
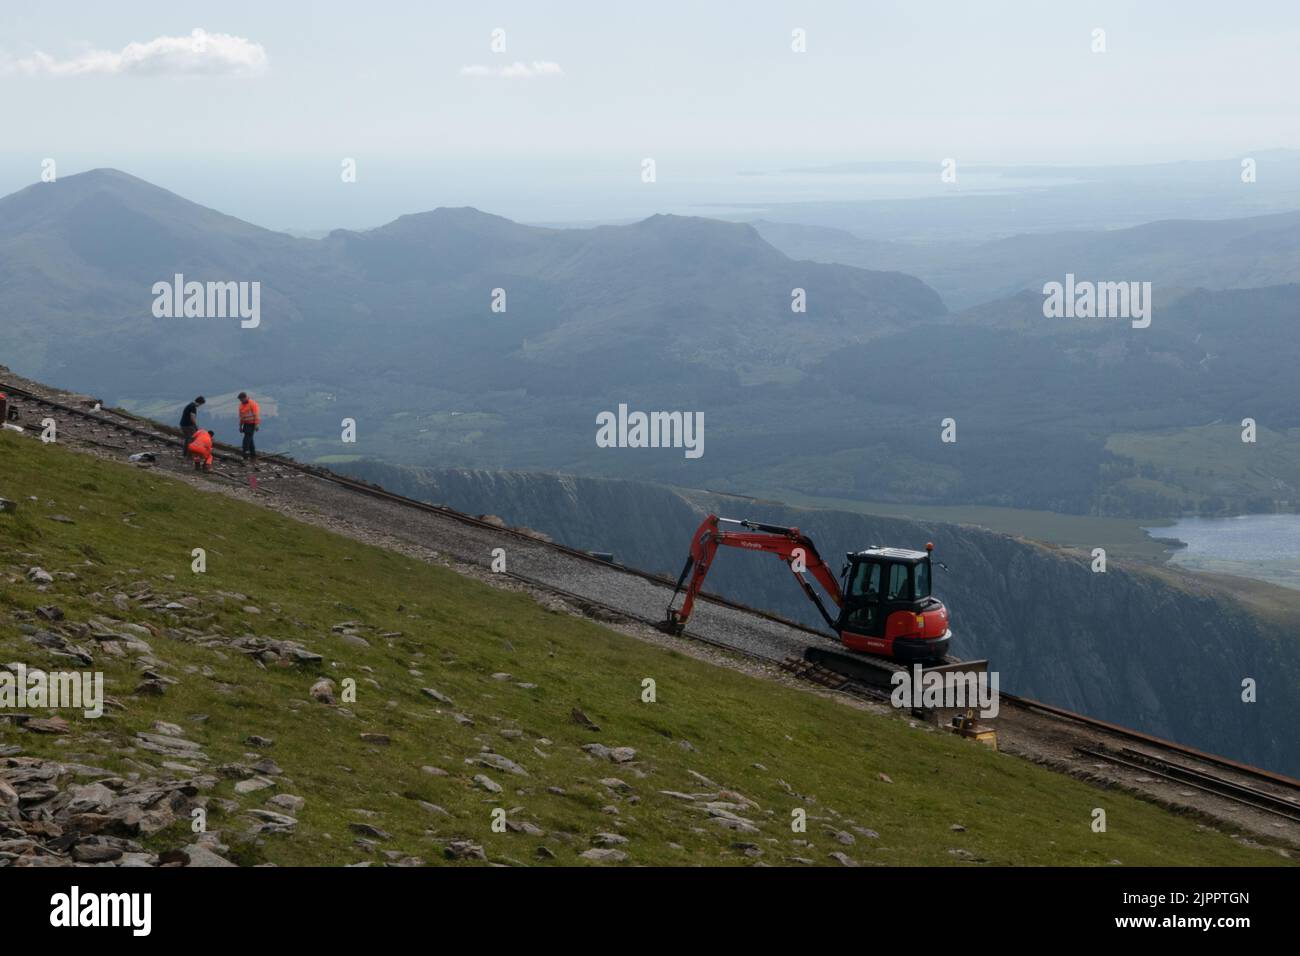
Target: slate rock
[[603, 855]]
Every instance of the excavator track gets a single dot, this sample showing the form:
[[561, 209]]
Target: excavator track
[[879, 671], [815, 673]]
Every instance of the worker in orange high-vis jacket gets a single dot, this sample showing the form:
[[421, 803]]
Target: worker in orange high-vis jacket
[[201, 449], [250, 417]]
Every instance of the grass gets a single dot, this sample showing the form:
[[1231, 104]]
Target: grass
[[1212, 462], [453, 634]]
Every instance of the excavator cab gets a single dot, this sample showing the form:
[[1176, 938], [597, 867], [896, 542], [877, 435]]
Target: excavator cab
[[887, 606]]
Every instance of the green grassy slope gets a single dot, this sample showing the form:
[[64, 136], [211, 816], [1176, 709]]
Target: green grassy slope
[[781, 748], [1210, 470]]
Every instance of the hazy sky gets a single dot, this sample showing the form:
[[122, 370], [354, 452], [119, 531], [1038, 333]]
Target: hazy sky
[[282, 92]]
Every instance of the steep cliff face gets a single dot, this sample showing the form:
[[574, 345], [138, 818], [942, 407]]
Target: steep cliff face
[[1163, 653]]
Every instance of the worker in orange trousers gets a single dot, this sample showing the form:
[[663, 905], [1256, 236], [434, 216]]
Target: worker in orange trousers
[[201, 449]]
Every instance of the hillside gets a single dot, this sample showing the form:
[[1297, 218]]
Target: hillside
[[464, 701], [1152, 649]]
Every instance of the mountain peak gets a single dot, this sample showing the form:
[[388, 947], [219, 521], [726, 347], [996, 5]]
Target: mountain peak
[[108, 173], [106, 178], [46, 202], [672, 222], [460, 220], [107, 215]]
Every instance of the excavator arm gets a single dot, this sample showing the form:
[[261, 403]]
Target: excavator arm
[[793, 547]]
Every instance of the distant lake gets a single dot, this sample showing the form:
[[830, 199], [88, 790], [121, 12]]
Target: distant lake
[[1259, 546]]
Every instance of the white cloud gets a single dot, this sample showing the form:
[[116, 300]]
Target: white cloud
[[515, 71], [201, 54]]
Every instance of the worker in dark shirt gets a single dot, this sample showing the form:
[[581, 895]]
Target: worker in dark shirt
[[189, 423]]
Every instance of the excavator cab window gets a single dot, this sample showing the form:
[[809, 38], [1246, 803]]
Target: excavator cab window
[[866, 581], [861, 611], [899, 583], [922, 580], [894, 582]]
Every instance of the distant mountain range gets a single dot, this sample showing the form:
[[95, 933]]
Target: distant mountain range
[[395, 327], [1174, 255]]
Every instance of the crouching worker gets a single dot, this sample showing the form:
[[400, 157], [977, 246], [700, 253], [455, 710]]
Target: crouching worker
[[201, 449]]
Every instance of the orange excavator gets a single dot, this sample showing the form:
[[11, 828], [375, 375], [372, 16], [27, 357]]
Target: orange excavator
[[883, 602]]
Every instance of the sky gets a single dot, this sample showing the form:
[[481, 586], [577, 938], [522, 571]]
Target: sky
[[257, 118]]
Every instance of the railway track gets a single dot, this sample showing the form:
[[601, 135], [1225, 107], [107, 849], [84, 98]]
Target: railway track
[[1123, 757], [1250, 796]]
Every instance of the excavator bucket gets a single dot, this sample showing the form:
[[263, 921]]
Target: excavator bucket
[[671, 625]]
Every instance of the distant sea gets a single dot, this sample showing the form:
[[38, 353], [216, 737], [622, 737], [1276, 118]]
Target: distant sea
[[1266, 547]]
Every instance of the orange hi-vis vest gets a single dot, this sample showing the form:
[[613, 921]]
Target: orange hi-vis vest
[[201, 447], [249, 413]]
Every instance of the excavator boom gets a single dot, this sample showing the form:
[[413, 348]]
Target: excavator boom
[[790, 544]]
